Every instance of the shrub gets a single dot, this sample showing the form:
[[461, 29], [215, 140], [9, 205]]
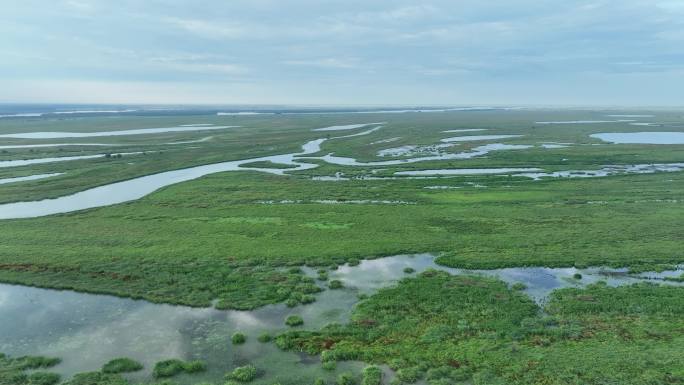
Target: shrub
[[294, 320], [372, 375], [43, 378], [238, 339], [354, 262], [577, 276], [265, 337], [307, 298], [319, 381], [323, 275], [335, 284], [245, 373], [291, 302], [409, 375], [409, 270], [194, 366], [329, 365], [122, 365], [169, 368]]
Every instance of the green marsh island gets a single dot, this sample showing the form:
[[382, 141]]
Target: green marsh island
[[437, 246]]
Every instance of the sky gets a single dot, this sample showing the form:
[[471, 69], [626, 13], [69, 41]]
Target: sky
[[347, 52]]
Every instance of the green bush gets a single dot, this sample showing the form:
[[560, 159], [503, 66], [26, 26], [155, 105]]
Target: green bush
[[372, 375], [245, 373], [294, 320], [122, 365], [238, 338], [335, 284], [194, 366], [518, 286], [329, 365], [170, 368], [409, 270], [43, 378], [265, 337]]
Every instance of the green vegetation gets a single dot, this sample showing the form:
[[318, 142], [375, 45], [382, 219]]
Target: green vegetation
[[372, 375], [518, 286], [238, 339], [294, 320], [121, 365], [13, 371], [216, 238], [266, 164], [346, 379], [170, 368], [264, 337], [239, 240], [456, 328], [243, 373], [409, 270]]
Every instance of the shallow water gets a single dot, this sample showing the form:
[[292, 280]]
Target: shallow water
[[641, 137], [26, 162], [346, 127], [87, 330], [608, 171], [587, 121], [468, 171], [27, 178], [472, 138], [11, 146], [141, 131]]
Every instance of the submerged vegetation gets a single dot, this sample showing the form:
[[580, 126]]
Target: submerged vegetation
[[170, 368]]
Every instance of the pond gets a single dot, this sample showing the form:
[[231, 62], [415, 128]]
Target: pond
[[140, 131], [641, 137]]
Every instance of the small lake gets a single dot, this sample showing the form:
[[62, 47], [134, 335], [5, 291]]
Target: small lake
[[27, 178], [641, 137], [141, 131], [87, 330]]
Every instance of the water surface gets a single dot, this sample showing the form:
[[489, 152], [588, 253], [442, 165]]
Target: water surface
[[141, 131], [641, 137]]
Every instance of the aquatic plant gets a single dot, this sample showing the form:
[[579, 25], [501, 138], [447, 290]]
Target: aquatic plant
[[121, 365], [238, 338], [172, 367], [409, 270], [264, 337], [335, 284], [372, 375], [518, 286], [245, 373], [294, 320]]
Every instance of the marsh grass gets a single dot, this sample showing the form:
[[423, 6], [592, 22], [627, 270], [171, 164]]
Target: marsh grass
[[121, 365], [172, 367], [448, 329]]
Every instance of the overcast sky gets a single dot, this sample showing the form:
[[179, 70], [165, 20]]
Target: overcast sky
[[622, 52]]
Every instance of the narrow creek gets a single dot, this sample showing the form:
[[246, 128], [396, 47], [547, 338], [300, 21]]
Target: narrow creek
[[87, 330]]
